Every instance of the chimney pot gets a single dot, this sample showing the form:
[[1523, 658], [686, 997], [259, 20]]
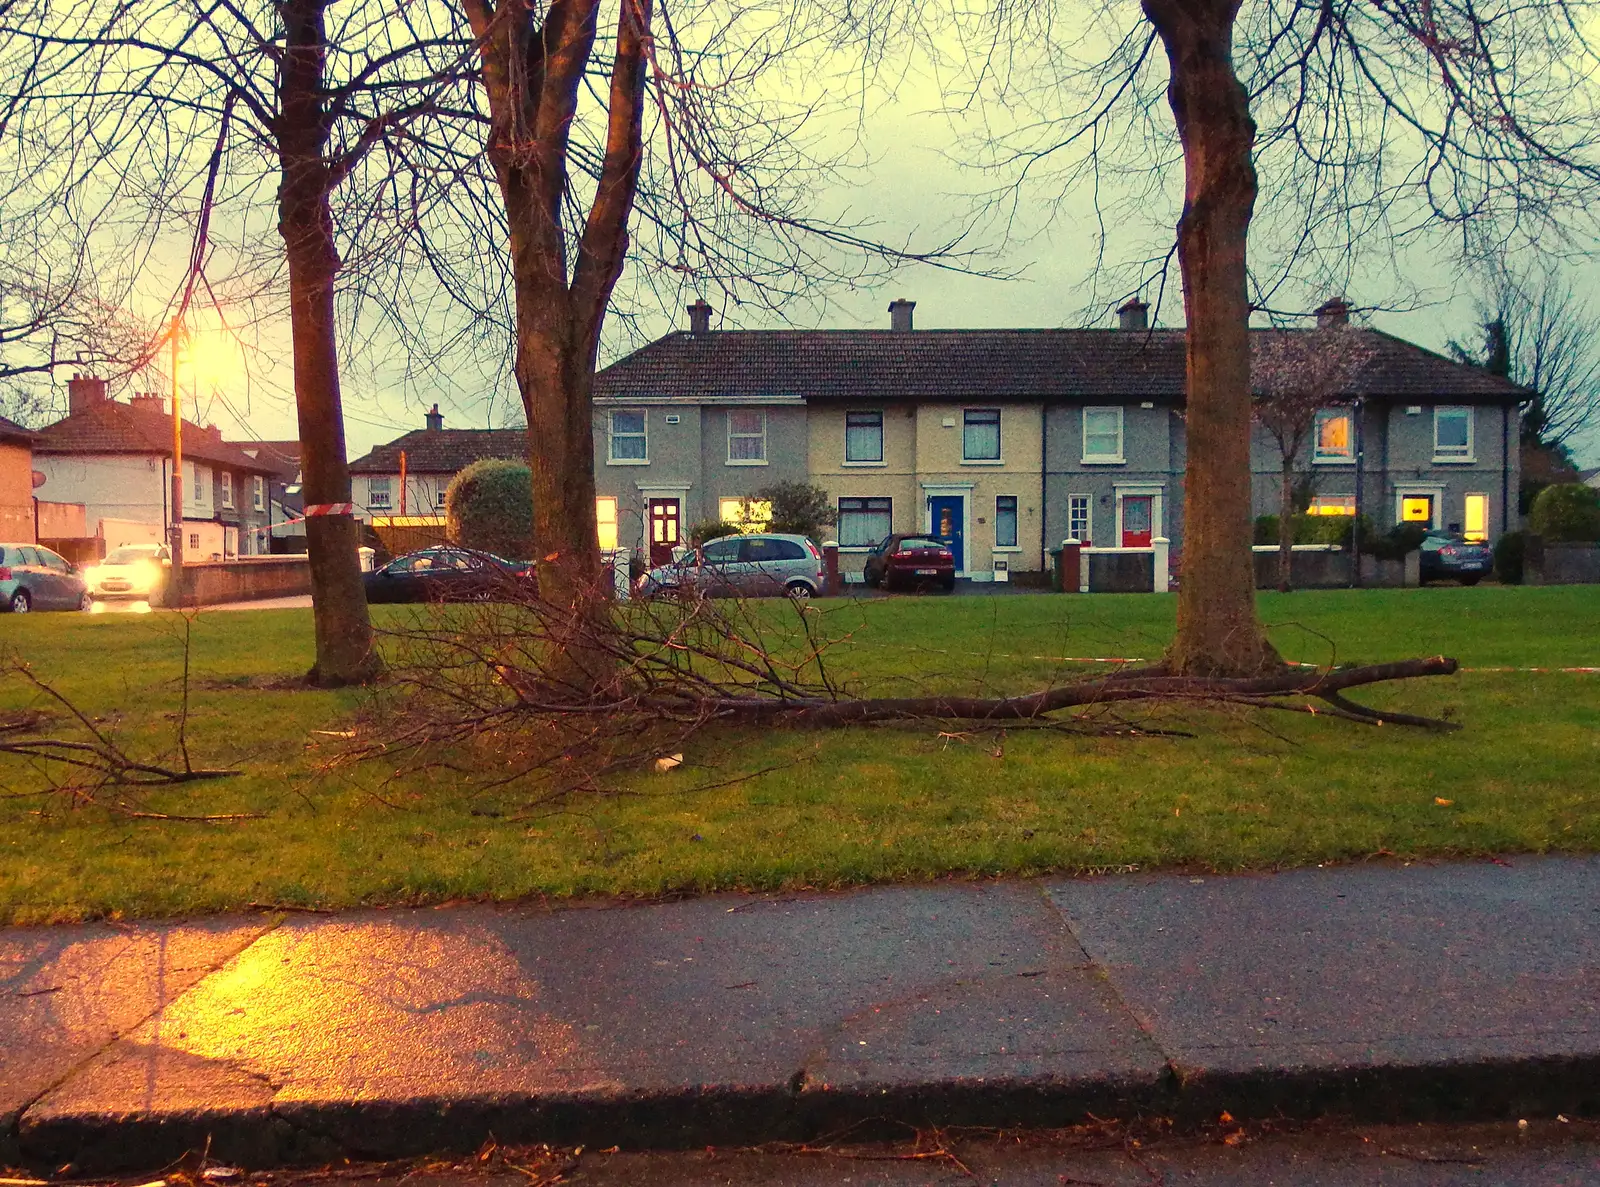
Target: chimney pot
[[85, 393], [434, 419], [900, 314], [149, 402], [1133, 314], [1333, 313], [699, 317]]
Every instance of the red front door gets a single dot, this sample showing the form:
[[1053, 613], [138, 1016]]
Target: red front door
[[664, 533], [1136, 521]]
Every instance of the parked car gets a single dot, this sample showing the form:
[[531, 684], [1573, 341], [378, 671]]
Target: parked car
[[910, 561], [1450, 554], [756, 565], [132, 571], [34, 578], [444, 574]]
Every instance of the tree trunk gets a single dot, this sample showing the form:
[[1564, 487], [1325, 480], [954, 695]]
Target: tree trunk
[[1286, 527], [345, 654], [1218, 633]]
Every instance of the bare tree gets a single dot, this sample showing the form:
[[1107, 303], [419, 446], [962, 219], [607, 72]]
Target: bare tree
[[1297, 375], [1357, 124]]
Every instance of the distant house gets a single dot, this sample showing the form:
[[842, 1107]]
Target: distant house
[[16, 483], [286, 529], [116, 459]]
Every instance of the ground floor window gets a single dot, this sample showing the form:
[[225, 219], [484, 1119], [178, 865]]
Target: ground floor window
[[863, 522], [1332, 505], [605, 515], [1005, 521], [1078, 518], [1475, 526], [748, 515]]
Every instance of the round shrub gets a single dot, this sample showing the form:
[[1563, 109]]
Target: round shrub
[[489, 507], [1568, 511], [1396, 543], [1509, 551], [712, 529]]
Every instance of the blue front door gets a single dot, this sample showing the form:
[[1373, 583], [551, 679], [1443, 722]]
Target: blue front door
[[946, 517]]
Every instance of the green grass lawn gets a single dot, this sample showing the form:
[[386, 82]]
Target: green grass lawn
[[1247, 789]]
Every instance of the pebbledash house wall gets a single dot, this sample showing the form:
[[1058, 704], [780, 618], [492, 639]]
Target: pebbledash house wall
[[688, 459]]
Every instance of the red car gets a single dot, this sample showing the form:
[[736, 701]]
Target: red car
[[910, 561]]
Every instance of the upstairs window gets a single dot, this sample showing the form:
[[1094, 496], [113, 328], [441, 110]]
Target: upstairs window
[[1452, 434], [747, 437], [258, 493], [1102, 434], [227, 489], [378, 491], [1333, 439], [628, 441], [863, 436], [980, 435]]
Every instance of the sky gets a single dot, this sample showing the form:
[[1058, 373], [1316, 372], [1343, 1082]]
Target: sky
[[911, 186]]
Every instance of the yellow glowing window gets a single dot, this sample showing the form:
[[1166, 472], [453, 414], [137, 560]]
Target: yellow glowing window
[[1477, 518], [1333, 439], [1332, 505], [749, 515], [605, 514], [1416, 509]]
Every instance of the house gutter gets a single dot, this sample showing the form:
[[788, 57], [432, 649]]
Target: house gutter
[[1505, 468], [1044, 485]]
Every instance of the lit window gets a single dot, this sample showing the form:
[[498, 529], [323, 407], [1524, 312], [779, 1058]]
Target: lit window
[[1332, 505], [863, 436], [1416, 509], [1333, 441], [258, 493], [980, 435], [627, 437], [378, 491], [748, 515], [227, 489], [1452, 434], [747, 436], [1102, 434], [1477, 518], [863, 522], [1005, 521], [1078, 518], [605, 517]]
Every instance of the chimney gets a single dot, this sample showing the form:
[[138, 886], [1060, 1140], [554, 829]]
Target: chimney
[[84, 392], [148, 402], [1333, 313], [900, 314], [699, 317], [1133, 314], [434, 419]]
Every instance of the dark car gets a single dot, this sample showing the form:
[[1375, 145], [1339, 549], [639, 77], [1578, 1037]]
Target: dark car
[[910, 562], [34, 578], [1450, 554], [445, 574]]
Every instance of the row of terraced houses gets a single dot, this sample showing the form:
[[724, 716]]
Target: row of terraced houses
[[1001, 442]]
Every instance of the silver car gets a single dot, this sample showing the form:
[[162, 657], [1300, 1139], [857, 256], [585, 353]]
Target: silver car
[[757, 565], [33, 577]]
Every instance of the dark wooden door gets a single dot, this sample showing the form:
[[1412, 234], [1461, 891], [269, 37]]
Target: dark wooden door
[[664, 531]]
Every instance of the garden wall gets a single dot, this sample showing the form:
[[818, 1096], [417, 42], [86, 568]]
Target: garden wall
[[247, 579], [1561, 564], [1313, 566]]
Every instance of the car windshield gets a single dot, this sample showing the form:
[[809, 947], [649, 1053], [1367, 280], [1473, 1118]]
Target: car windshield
[[128, 555], [912, 542], [1448, 537]]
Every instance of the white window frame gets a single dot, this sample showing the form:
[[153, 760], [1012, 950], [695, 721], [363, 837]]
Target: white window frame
[[440, 497], [380, 499], [1343, 498], [1455, 459], [999, 458], [258, 492], [733, 461], [1347, 458], [611, 437], [1488, 515], [1088, 518], [1105, 459], [1420, 490], [227, 490], [840, 512], [877, 461], [1016, 524]]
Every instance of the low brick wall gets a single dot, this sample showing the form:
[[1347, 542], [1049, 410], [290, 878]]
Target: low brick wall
[[1121, 572], [1308, 569], [1561, 564], [247, 579]]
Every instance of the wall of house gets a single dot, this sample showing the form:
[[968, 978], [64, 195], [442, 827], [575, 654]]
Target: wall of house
[[894, 478], [718, 478], [423, 494], [1153, 451], [16, 493], [110, 486]]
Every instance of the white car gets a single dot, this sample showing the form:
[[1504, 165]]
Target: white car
[[132, 571]]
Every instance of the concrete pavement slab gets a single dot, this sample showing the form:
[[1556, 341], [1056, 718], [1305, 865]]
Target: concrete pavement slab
[[719, 1019], [1423, 989], [66, 992]]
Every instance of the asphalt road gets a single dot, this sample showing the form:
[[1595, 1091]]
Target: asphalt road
[[139, 606]]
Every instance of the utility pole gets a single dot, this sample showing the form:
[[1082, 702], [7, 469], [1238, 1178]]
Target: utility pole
[[175, 581]]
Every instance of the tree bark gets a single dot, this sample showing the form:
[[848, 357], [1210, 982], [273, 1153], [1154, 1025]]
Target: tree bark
[[345, 654], [1286, 526], [1218, 633]]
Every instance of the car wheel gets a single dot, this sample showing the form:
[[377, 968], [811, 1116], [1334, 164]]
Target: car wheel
[[949, 584], [1471, 578], [21, 603], [86, 602], [799, 591]]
